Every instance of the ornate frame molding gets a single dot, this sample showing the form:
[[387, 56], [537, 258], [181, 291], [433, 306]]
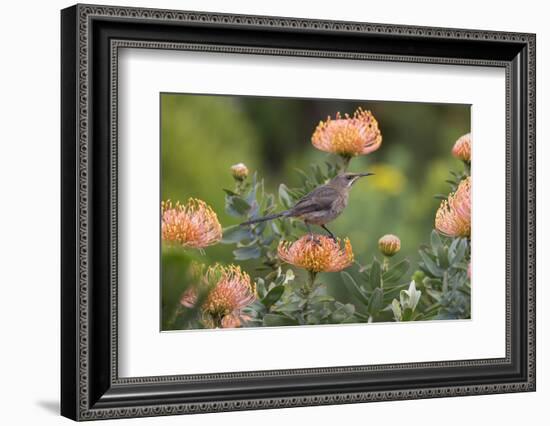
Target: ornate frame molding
[[78, 24]]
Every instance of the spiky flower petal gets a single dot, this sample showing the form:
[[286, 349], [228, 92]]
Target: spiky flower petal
[[389, 245], [193, 225], [229, 289], [317, 253], [453, 218], [348, 136], [462, 148]]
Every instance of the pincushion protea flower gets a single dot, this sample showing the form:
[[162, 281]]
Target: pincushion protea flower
[[462, 148], [453, 218], [389, 245], [193, 225], [229, 291], [348, 136], [317, 253]]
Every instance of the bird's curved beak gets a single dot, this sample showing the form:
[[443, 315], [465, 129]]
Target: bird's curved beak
[[360, 175]]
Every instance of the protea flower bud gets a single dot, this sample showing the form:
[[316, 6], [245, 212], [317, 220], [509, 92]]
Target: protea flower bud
[[239, 171], [317, 253], [389, 245], [462, 148], [193, 225], [348, 136]]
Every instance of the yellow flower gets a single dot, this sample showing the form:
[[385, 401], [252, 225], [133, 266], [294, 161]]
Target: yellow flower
[[239, 171], [317, 253], [453, 218], [229, 291], [348, 136], [462, 148], [192, 225], [387, 179], [389, 245]]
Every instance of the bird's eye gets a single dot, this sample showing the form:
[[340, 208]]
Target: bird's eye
[[349, 177]]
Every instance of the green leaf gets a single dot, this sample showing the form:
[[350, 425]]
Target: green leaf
[[246, 253], [442, 257], [407, 314], [236, 206], [319, 176], [396, 309], [284, 196], [289, 307], [260, 287], [376, 301], [434, 294], [322, 299], [396, 272], [229, 192], [276, 230], [275, 320], [374, 275], [273, 296], [251, 196], [269, 203], [393, 292], [235, 233], [460, 252], [430, 265], [241, 205], [343, 313], [303, 176], [435, 240], [452, 249], [354, 288]]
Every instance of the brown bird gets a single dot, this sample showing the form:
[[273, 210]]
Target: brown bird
[[322, 205]]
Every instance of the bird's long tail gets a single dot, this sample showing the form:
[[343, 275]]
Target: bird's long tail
[[265, 218]]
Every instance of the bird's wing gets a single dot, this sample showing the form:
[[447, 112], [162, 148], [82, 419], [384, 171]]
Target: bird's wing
[[320, 198]]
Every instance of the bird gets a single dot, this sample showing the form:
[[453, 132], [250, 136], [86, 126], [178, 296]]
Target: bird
[[320, 206]]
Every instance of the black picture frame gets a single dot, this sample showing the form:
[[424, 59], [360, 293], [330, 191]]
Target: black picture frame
[[90, 38]]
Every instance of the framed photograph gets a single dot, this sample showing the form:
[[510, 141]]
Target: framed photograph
[[263, 212]]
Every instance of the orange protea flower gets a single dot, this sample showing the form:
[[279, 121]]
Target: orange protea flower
[[192, 225], [389, 245], [317, 253], [462, 148], [453, 218], [229, 291], [348, 136]]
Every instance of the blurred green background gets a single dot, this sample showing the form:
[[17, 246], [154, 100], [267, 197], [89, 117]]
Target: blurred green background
[[202, 136]]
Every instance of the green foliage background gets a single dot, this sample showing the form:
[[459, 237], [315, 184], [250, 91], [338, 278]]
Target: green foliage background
[[202, 136]]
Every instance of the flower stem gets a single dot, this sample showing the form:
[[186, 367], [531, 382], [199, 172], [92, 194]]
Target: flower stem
[[345, 160], [308, 289], [310, 284], [385, 264]]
